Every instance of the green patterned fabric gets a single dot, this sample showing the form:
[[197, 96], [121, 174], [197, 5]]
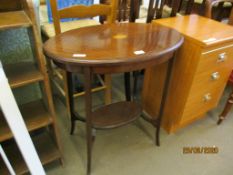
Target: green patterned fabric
[[15, 47]]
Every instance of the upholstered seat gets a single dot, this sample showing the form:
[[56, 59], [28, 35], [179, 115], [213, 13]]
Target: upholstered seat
[[48, 29]]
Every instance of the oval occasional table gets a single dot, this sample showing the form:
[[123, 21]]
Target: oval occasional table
[[108, 49]]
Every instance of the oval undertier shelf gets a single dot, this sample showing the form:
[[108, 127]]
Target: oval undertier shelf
[[116, 115]]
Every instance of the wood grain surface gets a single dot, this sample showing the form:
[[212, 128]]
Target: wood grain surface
[[113, 45]]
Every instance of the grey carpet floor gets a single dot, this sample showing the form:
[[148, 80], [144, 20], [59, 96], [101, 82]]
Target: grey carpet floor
[[130, 150]]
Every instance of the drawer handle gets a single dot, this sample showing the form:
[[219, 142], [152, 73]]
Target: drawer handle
[[207, 97], [222, 57], [215, 76]]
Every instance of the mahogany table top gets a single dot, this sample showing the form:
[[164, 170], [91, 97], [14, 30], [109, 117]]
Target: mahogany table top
[[111, 45]]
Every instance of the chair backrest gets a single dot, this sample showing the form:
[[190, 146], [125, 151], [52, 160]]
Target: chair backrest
[[210, 4], [82, 11], [127, 9], [134, 10], [156, 8], [123, 8]]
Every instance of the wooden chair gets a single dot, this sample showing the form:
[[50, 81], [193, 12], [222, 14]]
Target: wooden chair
[[127, 9], [228, 104], [218, 15], [79, 11], [219, 9], [123, 10], [163, 9]]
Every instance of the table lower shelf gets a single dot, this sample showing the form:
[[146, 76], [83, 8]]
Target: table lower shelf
[[45, 148], [116, 115]]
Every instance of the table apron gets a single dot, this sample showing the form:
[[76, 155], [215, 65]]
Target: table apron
[[114, 68]]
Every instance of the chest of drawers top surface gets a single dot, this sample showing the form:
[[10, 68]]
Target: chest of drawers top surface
[[203, 31]]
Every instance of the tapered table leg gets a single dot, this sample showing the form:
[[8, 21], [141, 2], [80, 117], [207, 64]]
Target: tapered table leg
[[71, 101], [163, 100], [88, 106]]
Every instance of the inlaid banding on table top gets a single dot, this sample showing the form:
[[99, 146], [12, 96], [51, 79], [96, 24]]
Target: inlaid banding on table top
[[113, 44], [119, 36]]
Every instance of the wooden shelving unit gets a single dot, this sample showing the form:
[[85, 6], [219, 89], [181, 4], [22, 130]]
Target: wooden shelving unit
[[45, 147], [14, 19], [21, 74], [37, 114]]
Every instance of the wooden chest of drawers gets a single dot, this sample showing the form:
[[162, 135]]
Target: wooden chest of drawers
[[200, 73]]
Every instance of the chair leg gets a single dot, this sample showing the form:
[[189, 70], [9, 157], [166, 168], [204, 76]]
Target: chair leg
[[226, 109], [72, 120], [67, 89], [69, 98], [127, 86], [50, 69], [135, 83], [93, 135], [108, 90], [88, 110]]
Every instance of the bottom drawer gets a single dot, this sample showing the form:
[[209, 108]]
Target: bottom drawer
[[201, 103]]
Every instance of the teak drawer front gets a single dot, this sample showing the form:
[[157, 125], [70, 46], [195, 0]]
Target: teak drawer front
[[199, 103], [211, 78], [209, 82], [217, 57]]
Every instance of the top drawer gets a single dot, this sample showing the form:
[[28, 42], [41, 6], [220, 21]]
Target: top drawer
[[216, 57]]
